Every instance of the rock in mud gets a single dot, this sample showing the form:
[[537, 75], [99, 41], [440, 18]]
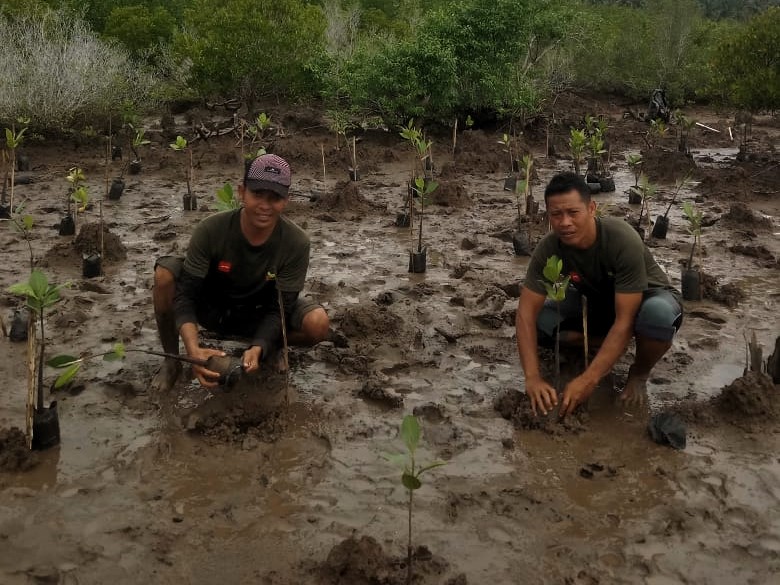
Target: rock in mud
[[14, 454]]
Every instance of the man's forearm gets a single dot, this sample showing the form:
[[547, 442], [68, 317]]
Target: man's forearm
[[527, 347], [189, 336]]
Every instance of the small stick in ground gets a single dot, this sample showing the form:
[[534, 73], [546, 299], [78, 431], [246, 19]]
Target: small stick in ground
[[284, 348], [31, 379], [454, 137], [585, 327], [322, 149], [102, 239]]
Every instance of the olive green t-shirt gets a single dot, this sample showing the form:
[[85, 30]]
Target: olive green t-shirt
[[618, 261], [237, 273]]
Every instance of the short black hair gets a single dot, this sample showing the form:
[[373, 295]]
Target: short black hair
[[566, 182]]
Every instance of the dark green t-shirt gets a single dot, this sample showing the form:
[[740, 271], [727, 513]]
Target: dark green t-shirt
[[235, 272], [618, 261]]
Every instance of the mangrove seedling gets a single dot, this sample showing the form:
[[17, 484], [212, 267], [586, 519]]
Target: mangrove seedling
[[13, 140], [635, 164], [556, 285], [648, 194], [410, 478], [181, 145], [417, 260], [78, 195], [226, 199], [136, 143], [577, 141], [658, 130], [691, 277], [258, 131], [73, 364], [684, 127], [42, 422], [661, 224], [506, 142]]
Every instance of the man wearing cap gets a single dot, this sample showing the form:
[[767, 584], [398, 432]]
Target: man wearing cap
[[228, 280]]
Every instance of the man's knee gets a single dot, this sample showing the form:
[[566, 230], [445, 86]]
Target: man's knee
[[315, 325], [163, 278], [659, 317]]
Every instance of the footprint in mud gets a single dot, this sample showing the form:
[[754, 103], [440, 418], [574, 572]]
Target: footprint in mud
[[14, 454]]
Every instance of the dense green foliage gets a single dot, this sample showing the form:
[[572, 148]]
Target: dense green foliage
[[429, 59]]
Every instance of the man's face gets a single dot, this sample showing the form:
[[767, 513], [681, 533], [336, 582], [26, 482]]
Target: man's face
[[572, 219], [261, 208]]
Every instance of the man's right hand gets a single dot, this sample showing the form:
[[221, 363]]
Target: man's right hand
[[206, 377], [543, 396]]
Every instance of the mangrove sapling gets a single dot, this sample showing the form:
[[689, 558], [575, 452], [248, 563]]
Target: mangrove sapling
[[12, 141], [410, 478], [661, 224], [258, 132], [418, 260], [413, 136], [577, 142], [648, 190], [691, 276], [556, 284], [526, 209], [226, 199], [684, 127], [353, 170], [77, 193], [658, 131], [137, 142], [73, 364], [506, 142], [40, 295], [189, 201]]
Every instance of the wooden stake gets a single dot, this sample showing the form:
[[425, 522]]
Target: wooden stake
[[284, 347], [585, 327], [454, 137], [731, 136], [102, 243], [322, 149], [354, 156], [707, 127], [31, 378]]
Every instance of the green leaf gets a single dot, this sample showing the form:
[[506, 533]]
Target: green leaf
[[67, 375], [27, 222], [552, 269], [60, 361], [119, 350], [180, 144], [410, 432], [410, 482], [39, 284], [398, 459], [430, 466], [9, 138], [21, 288]]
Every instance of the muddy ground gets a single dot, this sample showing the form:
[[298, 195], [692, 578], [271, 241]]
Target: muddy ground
[[267, 484]]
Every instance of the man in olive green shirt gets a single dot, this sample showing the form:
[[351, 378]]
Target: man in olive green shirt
[[228, 281], [627, 292]]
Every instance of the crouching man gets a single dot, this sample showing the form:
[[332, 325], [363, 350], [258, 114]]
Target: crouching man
[[228, 280], [628, 295]]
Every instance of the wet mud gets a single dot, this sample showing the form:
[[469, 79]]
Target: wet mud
[[278, 484]]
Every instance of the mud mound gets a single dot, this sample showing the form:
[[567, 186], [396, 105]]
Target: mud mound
[[369, 321], [88, 241], [239, 423], [451, 194], [515, 406], [753, 396], [727, 294], [740, 215], [666, 166], [345, 197], [479, 151], [14, 454], [361, 561], [750, 398]]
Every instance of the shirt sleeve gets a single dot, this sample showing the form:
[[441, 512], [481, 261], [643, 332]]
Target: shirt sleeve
[[629, 263], [291, 274], [188, 288]]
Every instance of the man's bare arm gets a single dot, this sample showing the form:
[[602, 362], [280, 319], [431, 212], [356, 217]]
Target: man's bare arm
[[540, 393]]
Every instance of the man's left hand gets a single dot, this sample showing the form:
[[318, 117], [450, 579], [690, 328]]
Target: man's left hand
[[251, 359], [576, 392]]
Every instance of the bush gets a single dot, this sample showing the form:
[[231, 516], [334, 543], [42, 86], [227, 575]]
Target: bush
[[55, 69]]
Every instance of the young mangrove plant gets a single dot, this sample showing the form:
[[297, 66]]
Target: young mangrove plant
[[73, 364], [684, 127], [138, 140], [635, 164], [413, 136], [556, 285], [189, 200], [410, 478], [78, 195], [691, 276], [506, 141], [42, 423], [661, 224], [649, 191], [226, 199], [577, 142], [418, 260], [526, 208], [13, 139]]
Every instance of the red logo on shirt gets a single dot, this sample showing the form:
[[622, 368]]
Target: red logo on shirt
[[224, 266], [575, 278]]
